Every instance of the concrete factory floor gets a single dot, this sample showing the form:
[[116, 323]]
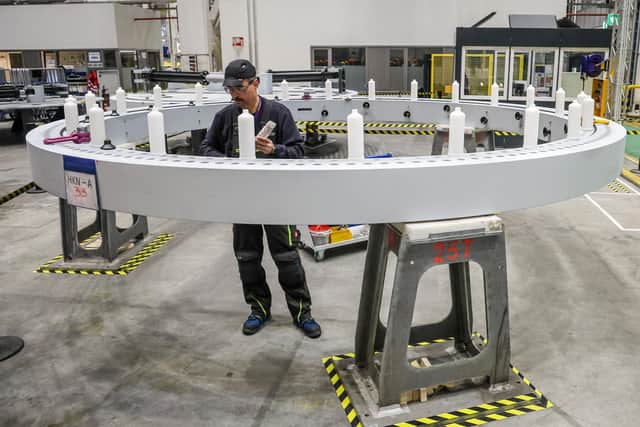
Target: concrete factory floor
[[163, 346]]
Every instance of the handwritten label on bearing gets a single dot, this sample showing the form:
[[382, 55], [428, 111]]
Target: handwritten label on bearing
[[452, 251], [80, 182], [81, 189]]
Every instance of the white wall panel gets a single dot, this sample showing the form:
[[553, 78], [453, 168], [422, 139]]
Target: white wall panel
[[57, 26], [136, 34], [77, 26], [193, 20], [286, 29], [234, 22]]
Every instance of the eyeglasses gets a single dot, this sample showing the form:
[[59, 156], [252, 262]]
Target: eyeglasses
[[241, 88]]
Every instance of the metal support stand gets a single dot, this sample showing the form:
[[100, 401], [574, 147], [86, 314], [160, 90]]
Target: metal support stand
[[10, 346], [441, 134], [112, 236], [419, 247]]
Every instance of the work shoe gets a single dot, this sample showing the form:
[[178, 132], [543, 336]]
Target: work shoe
[[254, 323], [309, 327]]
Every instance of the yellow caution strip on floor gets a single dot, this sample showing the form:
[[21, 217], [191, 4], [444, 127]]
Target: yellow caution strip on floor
[[16, 193], [631, 176], [129, 266], [343, 397], [633, 132], [505, 133], [421, 94], [481, 414], [368, 124], [369, 131], [616, 187]]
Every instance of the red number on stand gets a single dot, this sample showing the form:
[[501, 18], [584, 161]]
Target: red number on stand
[[452, 250], [439, 248]]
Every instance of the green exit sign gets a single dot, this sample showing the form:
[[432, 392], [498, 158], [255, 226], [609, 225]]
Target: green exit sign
[[613, 19]]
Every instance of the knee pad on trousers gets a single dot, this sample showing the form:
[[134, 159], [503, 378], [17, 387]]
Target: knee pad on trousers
[[251, 271], [290, 271], [248, 256], [286, 257]]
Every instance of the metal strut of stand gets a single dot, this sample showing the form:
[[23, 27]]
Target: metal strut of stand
[[112, 236], [419, 247]]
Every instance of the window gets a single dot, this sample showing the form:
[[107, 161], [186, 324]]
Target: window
[[15, 58], [441, 75], [320, 58], [481, 68], [342, 56], [544, 64], [520, 73], [50, 59], [72, 58], [128, 58], [110, 59]]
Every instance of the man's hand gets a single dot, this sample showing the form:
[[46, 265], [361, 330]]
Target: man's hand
[[265, 145]]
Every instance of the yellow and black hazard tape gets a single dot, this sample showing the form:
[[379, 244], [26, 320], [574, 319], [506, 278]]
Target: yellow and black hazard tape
[[343, 397], [616, 187], [370, 124], [505, 133], [16, 193], [633, 132], [129, 266], [370, 131], [142, 147], [421, 94], [472, 416]]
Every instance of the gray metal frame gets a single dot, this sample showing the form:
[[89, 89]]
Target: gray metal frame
[[112, 236], [415, 256]]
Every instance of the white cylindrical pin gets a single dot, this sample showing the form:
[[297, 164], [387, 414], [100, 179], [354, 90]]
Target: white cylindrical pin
[[155, 122], [199, 94], [372, 90], [531, 96], [414, 90], [456, 131], [455, 91], [573, 121], [495, 93], [284, 90], [89, 101], [157, 97], [581, 97], [121, 101], [246, 135], [96, 126], [531, 125], [587, 113], [328, 90], [355, 135], [560, 98], [71, 120]]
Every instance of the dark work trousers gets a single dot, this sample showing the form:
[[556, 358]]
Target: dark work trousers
[[248, 247]]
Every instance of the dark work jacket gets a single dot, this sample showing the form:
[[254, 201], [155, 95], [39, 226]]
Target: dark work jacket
[[221, 139]]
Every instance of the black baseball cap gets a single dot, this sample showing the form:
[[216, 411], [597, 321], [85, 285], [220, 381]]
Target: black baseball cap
[[238, 70]]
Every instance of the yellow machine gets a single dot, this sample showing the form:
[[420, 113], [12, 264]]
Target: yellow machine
[[599, 94]]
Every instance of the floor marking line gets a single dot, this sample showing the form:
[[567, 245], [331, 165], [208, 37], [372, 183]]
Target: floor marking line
[[611, 194], [628, 185], [611, 218]]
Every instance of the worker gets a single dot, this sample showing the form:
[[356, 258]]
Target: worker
[[285, 142]]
